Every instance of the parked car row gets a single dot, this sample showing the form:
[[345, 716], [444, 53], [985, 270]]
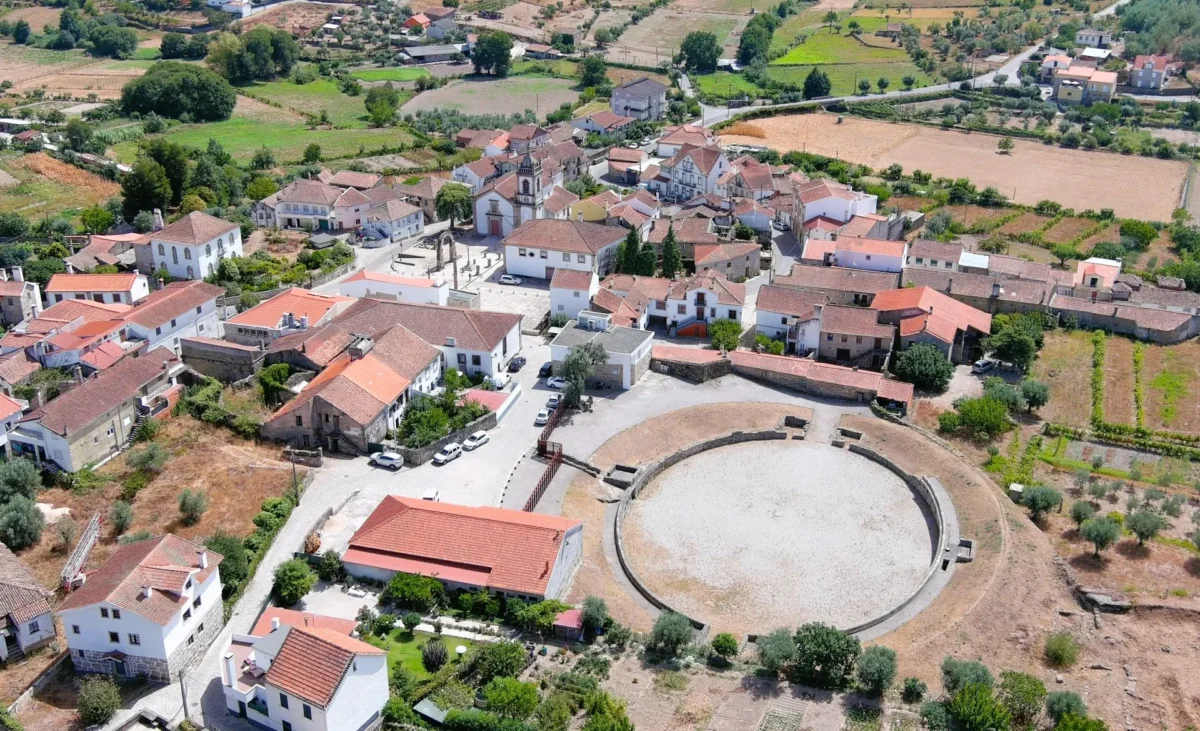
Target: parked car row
[[393, 461]]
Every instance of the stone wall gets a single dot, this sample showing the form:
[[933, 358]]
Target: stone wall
[[226, 364], [91, 661], [212, 621], [694, 372], [421, 455], [804, 385]]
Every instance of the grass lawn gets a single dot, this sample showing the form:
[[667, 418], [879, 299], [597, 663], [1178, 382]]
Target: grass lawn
[[147, 54], [344, 111], [725, 84], [1135, 137], [404, 648], [406, 73], [562, 69], [826, 48], [844, 76], [590, 108], [785, 35], [132, 63]]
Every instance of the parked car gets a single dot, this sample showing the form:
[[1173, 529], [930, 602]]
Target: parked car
[[453, 450], [509, 279], [546, 370], [433, 495], [388, 460], [556, 382], [542, 418], [516, 364], [501, 381], [478, 439], [983, 366], [554, 401]]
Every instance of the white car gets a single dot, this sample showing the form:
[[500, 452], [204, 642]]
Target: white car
[[433, 495], [542, 418], [501, 381], [509, 279], [554, 401], [389, 460], [983, 366], [453, 450], [556, 382], [478, 439]]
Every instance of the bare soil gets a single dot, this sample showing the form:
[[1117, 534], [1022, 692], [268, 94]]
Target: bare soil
[[1151, 190], [1023, 223], [970, 215], [1066, 364], [292, 18], [284, 244], [1118, 381], [102, 78], [37, 16], [1112, 233], [1068, 229]]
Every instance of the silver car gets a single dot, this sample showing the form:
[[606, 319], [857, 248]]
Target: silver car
[[453, 450], [387, 460]]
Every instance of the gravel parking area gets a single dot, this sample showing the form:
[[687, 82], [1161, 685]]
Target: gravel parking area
[[759, 535]]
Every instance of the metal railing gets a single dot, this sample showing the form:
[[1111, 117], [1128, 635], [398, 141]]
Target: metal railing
[[554, 449]]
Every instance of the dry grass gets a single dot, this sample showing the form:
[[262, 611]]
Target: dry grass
[[1068, 229], [292, 18], [61, 172], [37, 16], [1170, 375], [971, 215], [1111, 233], [745, 129], [1024, 223], [1066, 364], [1118, 381]]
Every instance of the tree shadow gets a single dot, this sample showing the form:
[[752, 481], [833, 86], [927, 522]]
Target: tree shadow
[[1133, 550], [762, 685], [1088, 562], [1192, 566]]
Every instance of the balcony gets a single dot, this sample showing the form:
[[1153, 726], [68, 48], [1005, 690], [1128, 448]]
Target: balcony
[[258, 705]]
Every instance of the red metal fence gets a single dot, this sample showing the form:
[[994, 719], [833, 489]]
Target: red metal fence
[[554, 449], [544, 438]]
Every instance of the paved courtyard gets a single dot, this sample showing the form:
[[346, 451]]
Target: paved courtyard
[[776, 533]]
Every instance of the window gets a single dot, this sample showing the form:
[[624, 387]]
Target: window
[[187, 614], [174, 255], [580, 258], [33, 627], [202, 306], [307, 711], [135, 639], [221, 241], [681, 309], [191, 273], [462, 358], [116, 613], [829, 338], [283, 701], [544, 254], [208, 249], [191, 639], [947, 265], [475, 360], [114, 637], [878, 343], [561, 308], [566, 257], [520, 252], [200, 628], [172, 321], [845, 339], [287, 726], [576, 293], [103, 612], [858, 339], [299, 420], [158, 330], [733, 315], [919, 260], [74, 629], [868, 257], [196, 602], [161, 250]]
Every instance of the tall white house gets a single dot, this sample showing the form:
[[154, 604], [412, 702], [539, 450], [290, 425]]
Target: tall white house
[[147, 611], [539, 248], [193, 246], [305, 677]]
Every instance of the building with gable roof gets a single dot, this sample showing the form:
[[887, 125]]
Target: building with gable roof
[[178, 310], [539, 247], [524, 138], [571, 292], [854, 252], [925, 315], [736, 260], [644, 99], [692, 172], [509, 553], [419, 290], [112, 288], [746, 178], [147, 611], [686, 305], [1149, 72], [674, 138], [20, 300], [26, 620], [292, 310], [603, 122], [528, 194], [790, 315], [193, 246]]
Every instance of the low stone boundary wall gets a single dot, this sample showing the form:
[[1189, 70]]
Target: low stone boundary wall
[[922, 488], [694, 372], [651, 471], [421, 455], [41, 681]]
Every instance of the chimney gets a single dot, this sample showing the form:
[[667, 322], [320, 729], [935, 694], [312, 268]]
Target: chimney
[[203, 553], [70, 267], [78, 373], [146, 592], [274, 623], [304, 322], [3, 276], [228, 659], [995, 289], [18, 274], [158, 220], [451, 342]]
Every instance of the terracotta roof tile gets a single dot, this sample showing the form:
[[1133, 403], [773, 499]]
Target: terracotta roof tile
[[786, 301], [824, 373], [555, 234], [172, 301], [838, 279], [571, 279], [312, 663], [854, 321], [297, 301], [21, 596], [194, 228], [352, 179], [91, 283]]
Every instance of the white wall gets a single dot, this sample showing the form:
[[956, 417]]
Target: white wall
[[872, 262], [490, 363], [205, 324], [139, 290], [94, 629], [541, 263], [569, 555], [483, 205], [363, 693], [203, 259], [436, 295], [568, 301], [45, 630]]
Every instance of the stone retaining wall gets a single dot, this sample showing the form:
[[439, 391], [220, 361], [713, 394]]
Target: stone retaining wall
[[646, 475], [421, 455], [694, 372]]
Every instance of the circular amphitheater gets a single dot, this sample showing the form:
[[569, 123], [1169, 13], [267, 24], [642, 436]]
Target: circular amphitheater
[[774, 533]]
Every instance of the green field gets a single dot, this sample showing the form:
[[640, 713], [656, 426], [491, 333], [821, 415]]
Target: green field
[[147, 54], [785, 35], [129, 64], [404, 648], [826, 48], [844, 76], [311, 98], [405, 73], [725, 84]]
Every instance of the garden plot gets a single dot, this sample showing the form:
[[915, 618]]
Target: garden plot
[[498, 96], [1118, 381], [1066, 364], [1170, 375], [1068, 229], [826, 48], [104, 79], [47, 187], [1025, 223], [969, 215], [658, 37]]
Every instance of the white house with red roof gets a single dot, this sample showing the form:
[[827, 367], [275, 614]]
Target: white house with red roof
[[747, 178], [418, 290], [193, 246], [475, 175], [301, 677], [735, 260], [292, 310], [111, 288], [571, 292], [509, 553], [604, 122], [26, 620], [854, 252], [11, 411], [673, 138], [691, 172], [540, 247], [829, 199], [925, 315], [19, 299], [790, 315], [1149, 72], [178, 310], [676, 303], [147, 611]]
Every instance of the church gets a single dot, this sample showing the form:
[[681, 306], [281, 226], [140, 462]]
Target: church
[[529, 193]]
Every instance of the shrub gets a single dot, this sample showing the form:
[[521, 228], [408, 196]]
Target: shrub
[[293, 579], [9, 722], [1101, 532], [1041, 500], [913, 690], [725, 645], [504, 659], [98, 700], [235, 564], [410, 621], [267, 522], [595, 613], [1064, 703], [121, 517], [434, 655], [147, 430], [958, 674], [876, 669], [983, 417], [330, 568], [510, 698], [133, 483], [192, 505], [1145, 524], [384, 624], [1061, 650], [924, 366], [1073, 722], [19, 476], [825, 656], [419, 593], [1022, 696], [21, 523], [671, 633], [935, 715], [975, 708], [725, 334], [948, 422]]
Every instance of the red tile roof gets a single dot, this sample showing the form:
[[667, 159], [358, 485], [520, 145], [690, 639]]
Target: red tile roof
[[708, 255], [686, 134], [571, 619], [503, 550], [494, 400], [624, 154], [91, 283], [22, 597], [194, 228], [352, 179], [104, 356], [293, 618], [728, 293], [172, 301], [312, 663], [824, 373], [17, 366], [787, 301], [571, 279], [878, 247], [162, 563], [924, 308], [683, 354], [297, 301], [854, 321], [837, 278], [554, 234], [365, 276]]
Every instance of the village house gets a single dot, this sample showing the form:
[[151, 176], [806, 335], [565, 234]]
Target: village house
[[690, 233], [628, 348], [746, 178], [353, 179], [1093, 38], [674, 138], [842, 286], [754, 215], [475, 175], [17, 368], [429, 54], [442, 27], [178, 310], [393, 220], [735, 260], [925, 315], [149, 609], [625, 165], [933, 254], [306, 674], [603, 122], [112, 288], [1149, 72], [361, 394], [423, 194], [987, 293], [509, 553], [852, 252], [20, 300], [492, 141], [523, 138], [852, 336], [1052, 64], [94, 421], [11, 412], [26, 620], [595, 209], [529, 194], [644, 99], [828, 199], [571, 292], [572, 161], [192, 247], [790, 315], [417, 290], [539, 247], [292, 310], [1082, 83], [692, 172], [105, 250], [67, 333]]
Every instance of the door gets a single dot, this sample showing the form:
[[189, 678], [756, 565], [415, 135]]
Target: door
[[843, 354], [494, 227], [241, 709], [119, 668], [337, 425], [700, 313]]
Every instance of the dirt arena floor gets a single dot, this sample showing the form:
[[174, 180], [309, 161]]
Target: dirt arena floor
[[1150, 188]]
